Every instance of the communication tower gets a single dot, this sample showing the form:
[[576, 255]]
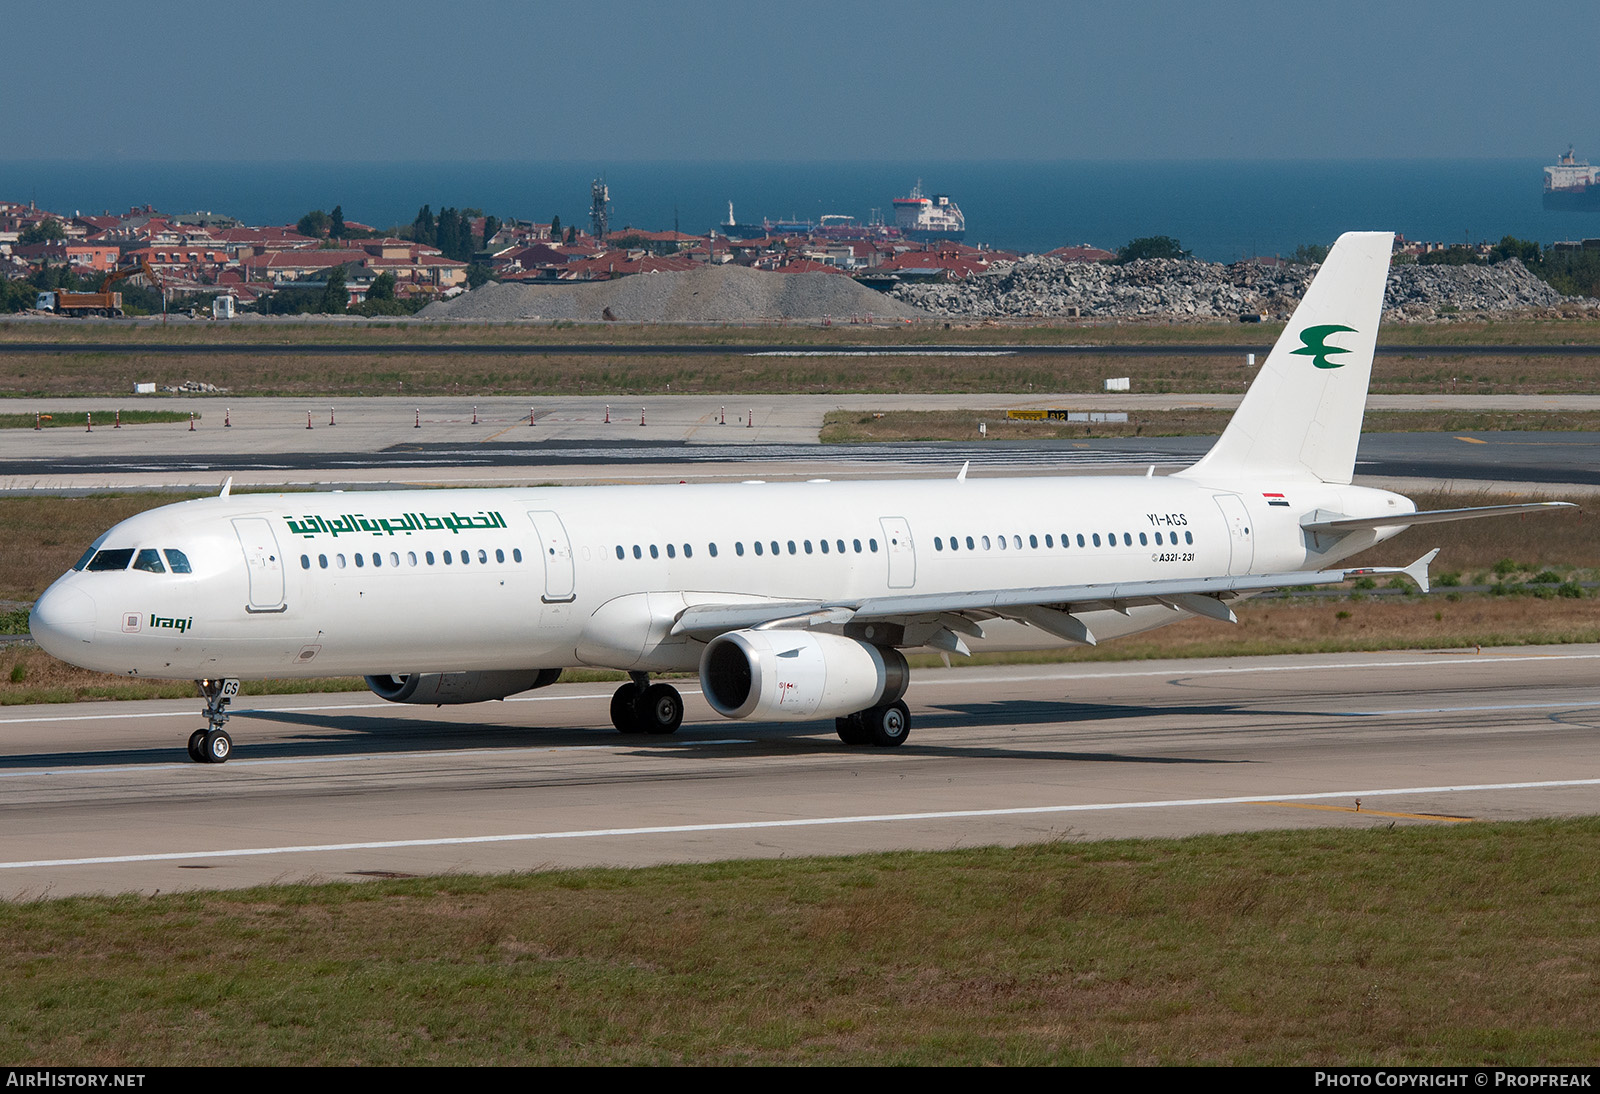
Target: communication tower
[[599, 198]]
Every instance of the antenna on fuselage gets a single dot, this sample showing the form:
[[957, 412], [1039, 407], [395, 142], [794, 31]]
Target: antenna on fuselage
[[961, 476], [226, 486]]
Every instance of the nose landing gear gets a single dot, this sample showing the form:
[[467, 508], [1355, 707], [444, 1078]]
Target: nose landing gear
[[213, 745]]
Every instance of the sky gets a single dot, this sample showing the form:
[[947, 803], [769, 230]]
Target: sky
[[803, 80]]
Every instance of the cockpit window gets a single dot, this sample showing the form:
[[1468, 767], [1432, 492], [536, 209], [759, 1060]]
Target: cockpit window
[[87, 555], [116, 559], [149, 560], [178, 561]]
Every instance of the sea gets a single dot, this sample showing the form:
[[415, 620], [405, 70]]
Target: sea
[[1220, 210]]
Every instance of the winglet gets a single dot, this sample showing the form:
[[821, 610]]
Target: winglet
[[1418, 570], [961, 476], [226, 486]]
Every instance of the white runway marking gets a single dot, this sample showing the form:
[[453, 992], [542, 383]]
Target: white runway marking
[[806, 822], [1461, 710]]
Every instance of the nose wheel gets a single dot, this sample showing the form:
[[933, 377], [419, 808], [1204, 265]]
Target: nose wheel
[[213, 745]]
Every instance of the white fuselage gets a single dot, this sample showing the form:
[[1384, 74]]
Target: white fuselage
[[446, 581]]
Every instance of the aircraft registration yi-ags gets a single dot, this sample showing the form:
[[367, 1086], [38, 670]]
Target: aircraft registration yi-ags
[[792, 601]]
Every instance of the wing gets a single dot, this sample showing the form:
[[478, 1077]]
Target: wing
[[1054, 609]]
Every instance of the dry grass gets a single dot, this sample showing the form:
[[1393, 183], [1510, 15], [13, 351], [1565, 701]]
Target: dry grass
[[854, 426], [1420, 944]]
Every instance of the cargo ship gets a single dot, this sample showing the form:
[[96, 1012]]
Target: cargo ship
[[924, 219], [1570, 183]]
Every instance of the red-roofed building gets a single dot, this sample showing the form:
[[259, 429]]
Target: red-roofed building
[[1081, 252], [78, 254]]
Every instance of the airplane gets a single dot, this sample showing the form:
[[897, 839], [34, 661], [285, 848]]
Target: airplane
[[792, 601]]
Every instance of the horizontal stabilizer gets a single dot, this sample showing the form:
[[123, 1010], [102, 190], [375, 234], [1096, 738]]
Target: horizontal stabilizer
[[1436, 516]]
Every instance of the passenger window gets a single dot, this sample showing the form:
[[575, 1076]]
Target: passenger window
[[149, 560], [322, 560], [1096, 540], [712, 547], [873, 544], [305, 562], [857, 544], [1033, 541], [112, 560], [688, 551], [339, 561], [359, 563], [791, 548], [499, 555], [483, 556], [394, 558], [447, 558], [1049, 541], [636, 553], [428, 556], [178, 561], [775, 547], [1188, 537], [738, 547], [1016, 541], [840, 544], [758, 546], [807, 546], [516, 554], [985, 543], [672, 552], [411, 558], [824, 545], [970, 545], [1127, 539], [1080, 540], [938, 544], [1142, 541], [1158, 539], [654, 552], [1002, 540], [377, 558]]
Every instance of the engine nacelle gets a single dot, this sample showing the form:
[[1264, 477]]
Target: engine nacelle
[[798, 675], [439, 688]]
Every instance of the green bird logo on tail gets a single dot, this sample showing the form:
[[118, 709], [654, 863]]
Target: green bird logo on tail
[[1316, 345]]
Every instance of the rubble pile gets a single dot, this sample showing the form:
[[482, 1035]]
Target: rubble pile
[[712, 294], [1178, 289]]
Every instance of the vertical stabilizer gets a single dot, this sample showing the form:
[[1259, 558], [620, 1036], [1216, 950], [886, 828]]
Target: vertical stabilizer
[[1301, 418]]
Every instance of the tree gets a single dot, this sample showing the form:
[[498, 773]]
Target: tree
[[43, 232], [1526, 250], [491, 226], [1309, 254], [382, 287], [422, 229], [336, 223], [572, 234], [1456, 254], [336, 297], [555, 229], [1151, 247], [314, 223], [477, 274]]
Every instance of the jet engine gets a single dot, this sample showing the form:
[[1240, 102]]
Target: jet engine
[[798, 675], [439, 688]]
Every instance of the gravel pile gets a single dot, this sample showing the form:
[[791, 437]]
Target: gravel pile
[[714, 294], [1172, 288]]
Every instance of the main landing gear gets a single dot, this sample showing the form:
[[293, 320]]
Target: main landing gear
[[643, 707], [212, 745], [886, 726]]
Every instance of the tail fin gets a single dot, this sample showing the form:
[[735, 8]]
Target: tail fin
[[1301, 418]]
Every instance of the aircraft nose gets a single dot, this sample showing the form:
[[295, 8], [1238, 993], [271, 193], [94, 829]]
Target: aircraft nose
[[62, 620]]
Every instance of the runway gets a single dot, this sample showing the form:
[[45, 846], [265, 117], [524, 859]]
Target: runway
[[381, 441], [98, 797]]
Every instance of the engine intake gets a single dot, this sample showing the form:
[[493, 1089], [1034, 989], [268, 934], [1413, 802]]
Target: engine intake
[[798, 675], [440, 688]]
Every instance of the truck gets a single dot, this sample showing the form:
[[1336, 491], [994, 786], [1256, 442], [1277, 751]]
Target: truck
[[104, 302]]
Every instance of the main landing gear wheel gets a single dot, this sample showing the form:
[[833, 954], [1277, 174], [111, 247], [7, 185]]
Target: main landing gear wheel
[[657, 708], [660, 709], [197, 743], [887, 726], [851, 730]]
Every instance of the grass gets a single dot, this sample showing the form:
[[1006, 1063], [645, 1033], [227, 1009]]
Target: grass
[[856, 426], [1466, 944], [106, 419]]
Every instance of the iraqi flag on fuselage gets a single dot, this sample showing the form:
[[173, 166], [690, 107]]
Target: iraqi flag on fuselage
[[1276, 499]]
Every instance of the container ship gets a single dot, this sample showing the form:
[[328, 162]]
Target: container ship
[[924, 219], [1570, 183]]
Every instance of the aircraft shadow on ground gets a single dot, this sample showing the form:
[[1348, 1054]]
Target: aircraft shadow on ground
[[331, 735]]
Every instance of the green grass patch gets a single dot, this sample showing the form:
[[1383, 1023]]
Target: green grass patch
[[106, 419], [1374, 944]]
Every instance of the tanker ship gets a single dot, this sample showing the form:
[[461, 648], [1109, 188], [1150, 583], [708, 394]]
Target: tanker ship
[[1570, 183], [924, 219]]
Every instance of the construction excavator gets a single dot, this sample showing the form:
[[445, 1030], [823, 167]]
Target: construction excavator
[[104, 302]]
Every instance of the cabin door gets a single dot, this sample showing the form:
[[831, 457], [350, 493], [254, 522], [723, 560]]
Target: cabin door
[[556, 550], [264, 563], [902, 554], [1240, 543]]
